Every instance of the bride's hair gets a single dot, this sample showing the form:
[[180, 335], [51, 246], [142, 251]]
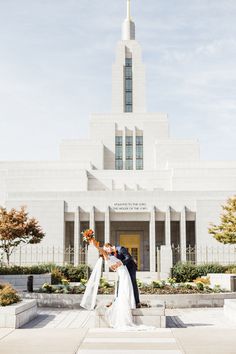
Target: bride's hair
[[108, 244], [103, 253]]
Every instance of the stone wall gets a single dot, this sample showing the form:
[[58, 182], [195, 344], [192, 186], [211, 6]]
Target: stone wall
[[19, 281]]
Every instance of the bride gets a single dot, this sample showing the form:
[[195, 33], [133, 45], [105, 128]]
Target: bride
[[119, 314]]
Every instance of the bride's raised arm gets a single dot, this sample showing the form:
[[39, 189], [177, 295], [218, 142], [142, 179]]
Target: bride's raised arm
[[102, 252]]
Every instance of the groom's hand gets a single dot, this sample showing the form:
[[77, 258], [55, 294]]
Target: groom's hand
[[116, 265]]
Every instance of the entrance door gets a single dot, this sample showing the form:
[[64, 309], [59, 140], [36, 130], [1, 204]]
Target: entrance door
[[131, 241]]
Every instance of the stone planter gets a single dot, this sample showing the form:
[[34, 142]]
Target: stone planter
[[19, 281], [72, 301], [16, 315], [153, 316], [222, 279]]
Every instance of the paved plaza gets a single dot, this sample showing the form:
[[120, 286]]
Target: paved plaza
[[61, 331]]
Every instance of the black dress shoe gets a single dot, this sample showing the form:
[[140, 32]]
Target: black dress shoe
[[138, 306]]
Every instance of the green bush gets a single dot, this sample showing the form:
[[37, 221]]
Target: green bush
[[75, 274], [69, 272], [184, 272], [57, 276], [204, 269], [231, 269], [35, 269]]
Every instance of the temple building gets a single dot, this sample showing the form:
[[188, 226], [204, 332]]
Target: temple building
[[130, 181]]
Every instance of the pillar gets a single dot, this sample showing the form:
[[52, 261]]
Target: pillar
[[107, 225], [107, 230], [92, 218], [183, 235], [93, 253], [166, 256], [152, 240], [77, 236], [168, 227]]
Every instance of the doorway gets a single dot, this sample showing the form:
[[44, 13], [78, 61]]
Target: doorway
[[131, 241]]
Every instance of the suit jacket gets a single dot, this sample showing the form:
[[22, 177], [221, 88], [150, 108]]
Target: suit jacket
[[125, 257]]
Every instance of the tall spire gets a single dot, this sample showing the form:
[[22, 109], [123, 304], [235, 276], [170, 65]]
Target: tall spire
[[128, 29], [128, 10]]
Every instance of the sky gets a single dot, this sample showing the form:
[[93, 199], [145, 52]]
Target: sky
[[55, 70]]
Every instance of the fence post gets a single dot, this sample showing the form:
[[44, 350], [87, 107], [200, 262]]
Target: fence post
[[166, 261]]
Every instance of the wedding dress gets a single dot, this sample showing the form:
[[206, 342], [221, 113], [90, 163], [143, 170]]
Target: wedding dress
[[119, 314]]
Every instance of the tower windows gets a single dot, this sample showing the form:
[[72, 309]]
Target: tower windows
[[129, 152], [119, 153], [139, 152], [128, 86]]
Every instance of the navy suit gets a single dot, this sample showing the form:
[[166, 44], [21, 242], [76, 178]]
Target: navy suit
[[125, 257]]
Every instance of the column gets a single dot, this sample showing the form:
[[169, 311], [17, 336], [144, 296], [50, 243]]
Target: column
[[92, 218], [107, 225], [168, 227], [152, 240], [76, 235], [166, 250], [107, 230], [93, 253], [183, 235]]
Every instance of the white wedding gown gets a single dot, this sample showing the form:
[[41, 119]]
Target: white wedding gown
[[119, 314]]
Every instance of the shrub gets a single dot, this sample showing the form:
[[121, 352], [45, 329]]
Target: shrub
[[69, 272], [231, 269], [204, 269], [57, 276], [205, 281], [184, 272], [74, 274], [48, 288], [8, 295], [200, 285], [139, 283], [36, 269]]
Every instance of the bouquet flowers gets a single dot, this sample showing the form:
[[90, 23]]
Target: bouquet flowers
[[88, 235]]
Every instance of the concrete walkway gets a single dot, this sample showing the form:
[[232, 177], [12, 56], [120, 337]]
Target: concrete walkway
[[59, 331], [102, 341]]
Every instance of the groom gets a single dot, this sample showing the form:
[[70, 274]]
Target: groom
[[125, 257]]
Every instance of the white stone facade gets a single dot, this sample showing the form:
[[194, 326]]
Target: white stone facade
[[169, 198]]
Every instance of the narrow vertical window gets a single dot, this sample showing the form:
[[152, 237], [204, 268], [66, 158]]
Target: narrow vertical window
[[129, 152], [119, 153], [128, 86], [139, 152]]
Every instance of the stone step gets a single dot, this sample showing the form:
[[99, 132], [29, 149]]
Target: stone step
[[108, 340], [230, 309], [152, 316]]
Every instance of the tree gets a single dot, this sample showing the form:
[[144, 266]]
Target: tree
[[15, 228], [225, 232]]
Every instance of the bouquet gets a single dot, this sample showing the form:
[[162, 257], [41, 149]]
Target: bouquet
[[88, 235]]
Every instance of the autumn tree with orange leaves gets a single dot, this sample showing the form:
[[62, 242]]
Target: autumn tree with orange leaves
[[16, 228]]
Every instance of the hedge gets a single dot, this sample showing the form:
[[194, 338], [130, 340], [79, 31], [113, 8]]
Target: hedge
[[184, 272], [70, 272]]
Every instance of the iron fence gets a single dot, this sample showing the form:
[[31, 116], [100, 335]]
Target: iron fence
[[35, 254], [225, 254]]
